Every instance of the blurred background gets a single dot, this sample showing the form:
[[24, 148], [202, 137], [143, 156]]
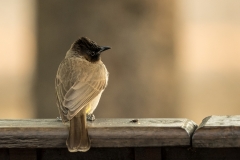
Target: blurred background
[[169, 58]]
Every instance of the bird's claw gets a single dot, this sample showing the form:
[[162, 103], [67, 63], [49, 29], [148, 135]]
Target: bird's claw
[[59, 119], [90, 117]]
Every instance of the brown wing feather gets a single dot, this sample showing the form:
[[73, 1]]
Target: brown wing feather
[[77, 83]]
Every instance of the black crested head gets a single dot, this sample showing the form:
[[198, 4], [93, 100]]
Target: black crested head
[[88, 49]]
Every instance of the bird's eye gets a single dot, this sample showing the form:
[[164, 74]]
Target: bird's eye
[[92, 53]]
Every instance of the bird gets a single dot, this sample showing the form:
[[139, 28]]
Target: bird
[[80, 81]]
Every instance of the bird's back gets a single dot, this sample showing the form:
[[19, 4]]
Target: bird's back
[[77, 83]]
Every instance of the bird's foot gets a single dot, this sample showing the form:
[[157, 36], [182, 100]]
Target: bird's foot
[[59, 119], [90, 117]]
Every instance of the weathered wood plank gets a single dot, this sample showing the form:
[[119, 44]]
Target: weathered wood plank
[[32, 133], [218, 132], [50, 133], [146, 132]]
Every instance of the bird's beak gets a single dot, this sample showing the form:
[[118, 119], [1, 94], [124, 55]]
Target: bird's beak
[[104, 48]]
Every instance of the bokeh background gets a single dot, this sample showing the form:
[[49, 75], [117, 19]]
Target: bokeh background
[[169, 58]]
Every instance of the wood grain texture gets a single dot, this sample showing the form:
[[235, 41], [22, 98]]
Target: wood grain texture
[[32, 133], [50, 133], [146, 132], [218, 132]]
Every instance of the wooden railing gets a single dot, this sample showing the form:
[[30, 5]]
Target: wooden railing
[[217, 137]]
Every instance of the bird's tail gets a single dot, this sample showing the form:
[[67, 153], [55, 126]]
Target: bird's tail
[[78, 139]]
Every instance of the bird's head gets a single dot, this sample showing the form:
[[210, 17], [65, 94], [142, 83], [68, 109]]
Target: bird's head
[[90, 50]]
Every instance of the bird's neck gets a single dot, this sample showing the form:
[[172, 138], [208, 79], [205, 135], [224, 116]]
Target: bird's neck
[[71, 53]]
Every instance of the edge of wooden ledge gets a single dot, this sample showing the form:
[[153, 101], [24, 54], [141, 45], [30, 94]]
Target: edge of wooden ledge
[[218, 132], [51, 133]]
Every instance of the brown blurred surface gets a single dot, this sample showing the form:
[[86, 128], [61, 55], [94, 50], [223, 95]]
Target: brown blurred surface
[[140, 62], [17, 58], [207, 58], [168, 58]]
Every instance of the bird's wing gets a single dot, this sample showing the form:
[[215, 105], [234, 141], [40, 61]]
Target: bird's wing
[[77, 86]]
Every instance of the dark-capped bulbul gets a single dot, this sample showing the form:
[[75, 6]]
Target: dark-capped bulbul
[[81, 78]]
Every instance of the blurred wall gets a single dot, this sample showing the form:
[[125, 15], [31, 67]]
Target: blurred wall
[[207, 57], [17, 62], [140, 63], [168, 58]]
